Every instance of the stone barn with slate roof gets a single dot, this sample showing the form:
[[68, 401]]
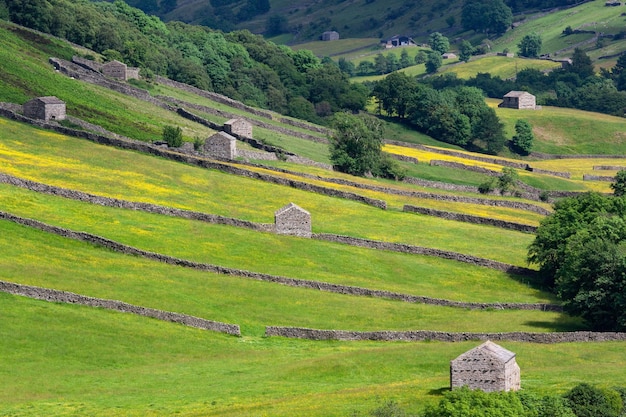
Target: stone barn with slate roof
[[221, 145], [239, 127], [293, 220], [115, 69], [518, 100], [45, 108], [488, 367]]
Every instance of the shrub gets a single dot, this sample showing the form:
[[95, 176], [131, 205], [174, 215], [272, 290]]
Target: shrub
[[173, 136]]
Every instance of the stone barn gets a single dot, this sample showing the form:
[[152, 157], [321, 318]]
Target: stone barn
[[238, 127], [330, 35], [518, 100], [45, 108], [293, 220], [221, 145], [115, 69], [488, 367]]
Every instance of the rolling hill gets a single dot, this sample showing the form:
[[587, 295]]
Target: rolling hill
[[184, 233]]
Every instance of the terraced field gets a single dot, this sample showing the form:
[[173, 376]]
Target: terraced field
[[115, 224]]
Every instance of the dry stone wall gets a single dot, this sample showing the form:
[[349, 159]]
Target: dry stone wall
[[458, 165], [71, 298], [131, 205], [419, 250], [238, 105], [125, 143], [609, 167], [425, 335], [471, 219], [591, 177], [220, 113], [293, 282]]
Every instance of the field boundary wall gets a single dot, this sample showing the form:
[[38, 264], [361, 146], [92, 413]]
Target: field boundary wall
[[292, 282], [428, 335], [57, 296]]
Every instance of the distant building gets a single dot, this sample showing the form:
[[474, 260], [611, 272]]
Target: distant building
[[488, 367], [45, 108], [293, 220], [221, 145], [238, 127], [506, 54], [448, 55], [119, 70], [330, 35], [398, 40], [518, 100]]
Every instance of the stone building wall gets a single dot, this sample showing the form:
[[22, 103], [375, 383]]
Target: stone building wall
[[293, 220], [221, 145], [238, 127], [115, 69], [45, 108], [488, 367]]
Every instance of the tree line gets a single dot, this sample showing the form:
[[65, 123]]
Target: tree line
[[238, 64], [453, 114]]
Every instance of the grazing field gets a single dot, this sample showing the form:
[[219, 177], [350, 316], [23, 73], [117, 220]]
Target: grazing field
[[497, 66], [78, 360], [59, 359]]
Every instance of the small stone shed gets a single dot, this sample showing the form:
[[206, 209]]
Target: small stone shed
[[221, 145], [239, 127], [45, 108], [330, 35], [518, 100], [119, 70], [293, 220], [488, 367]]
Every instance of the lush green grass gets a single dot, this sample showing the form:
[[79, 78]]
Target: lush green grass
[[34, 258], [68, 360], [31, 76], [44, 157], [499, 66], [592, 15], [270, 253], [568, 131]]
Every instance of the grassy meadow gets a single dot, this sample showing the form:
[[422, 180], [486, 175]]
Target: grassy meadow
[[60, 360]]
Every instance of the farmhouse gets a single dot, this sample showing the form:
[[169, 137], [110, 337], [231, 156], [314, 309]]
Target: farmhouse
[[398, 40], [45, 108], [293, 220], [330, 35], [221, 145], [238, 127], [488, 367], [119, 70], [518, 100], [448, 55]]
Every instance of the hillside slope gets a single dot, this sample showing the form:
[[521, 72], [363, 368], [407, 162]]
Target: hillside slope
[[112, 216]]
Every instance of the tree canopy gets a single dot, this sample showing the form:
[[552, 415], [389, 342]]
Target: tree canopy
[[238, 64], [530, 45], [581, 251], [486, 16]]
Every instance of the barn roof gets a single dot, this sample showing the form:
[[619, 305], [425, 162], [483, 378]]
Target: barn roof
[[49, 100], [289, 207], [517, 94], [493, 350]]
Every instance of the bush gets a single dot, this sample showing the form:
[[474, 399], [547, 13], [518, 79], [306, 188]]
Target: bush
[[487, 186], [589, 401], [173, 136]]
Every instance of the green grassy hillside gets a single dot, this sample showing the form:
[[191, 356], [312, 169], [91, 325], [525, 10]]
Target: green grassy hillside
[[58, 359]]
